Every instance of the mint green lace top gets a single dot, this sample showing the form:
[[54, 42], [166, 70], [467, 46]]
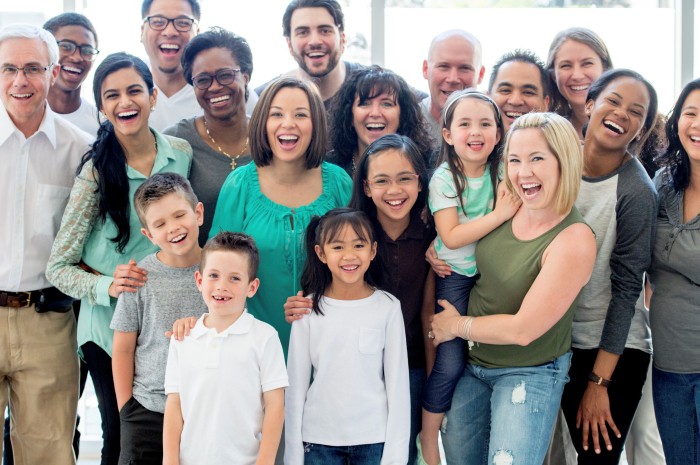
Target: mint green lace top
[[84, 237]]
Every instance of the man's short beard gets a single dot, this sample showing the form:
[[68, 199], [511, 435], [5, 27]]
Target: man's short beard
[[333, 61]]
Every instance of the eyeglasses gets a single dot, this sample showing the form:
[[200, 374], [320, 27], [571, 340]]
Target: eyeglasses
[[224, 77], [406, 179], [86, 51], [159, 23], [31, 71]]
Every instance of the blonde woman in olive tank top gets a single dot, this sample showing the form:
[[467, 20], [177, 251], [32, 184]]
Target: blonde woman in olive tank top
[[520, 310]]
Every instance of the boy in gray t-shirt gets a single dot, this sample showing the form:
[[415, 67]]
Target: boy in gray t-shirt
[[170, 215]]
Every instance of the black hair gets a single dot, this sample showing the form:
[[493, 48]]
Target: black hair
[[447, 151], [227, 241], [604, 80], [217, 37], [194, 4], [332, 6], [405, 146], [107, 155], [317, 277], [675, 160], [523, 56], [69, 19], [366, 84], [360, 201]]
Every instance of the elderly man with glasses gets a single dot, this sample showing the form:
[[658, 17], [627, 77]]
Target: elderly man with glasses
[[40, 153]]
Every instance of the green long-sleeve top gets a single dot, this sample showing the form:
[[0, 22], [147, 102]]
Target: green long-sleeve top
[[83, 236], [279, 234]]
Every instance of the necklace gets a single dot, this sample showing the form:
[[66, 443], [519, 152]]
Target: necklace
[[231, 157]]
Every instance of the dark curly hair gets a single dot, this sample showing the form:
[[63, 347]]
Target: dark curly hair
[[368, 83], [675, 160]]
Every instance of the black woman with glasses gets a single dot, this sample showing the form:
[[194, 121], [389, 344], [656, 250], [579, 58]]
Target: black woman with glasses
[[77, 50], [219, 64], [167, 26]]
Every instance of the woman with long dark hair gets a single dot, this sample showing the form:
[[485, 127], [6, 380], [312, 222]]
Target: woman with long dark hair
[[95, 253]]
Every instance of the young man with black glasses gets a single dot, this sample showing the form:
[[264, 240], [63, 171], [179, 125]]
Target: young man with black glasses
[[77, 50]]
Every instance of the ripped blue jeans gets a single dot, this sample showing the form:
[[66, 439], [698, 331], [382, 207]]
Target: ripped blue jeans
[[504, 416]]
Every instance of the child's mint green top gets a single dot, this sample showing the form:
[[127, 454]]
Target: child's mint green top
[[478, 201], [279, 233], [83, 236]]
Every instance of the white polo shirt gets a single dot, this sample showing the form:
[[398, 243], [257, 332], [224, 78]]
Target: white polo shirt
[[221, 378], [35, 181]]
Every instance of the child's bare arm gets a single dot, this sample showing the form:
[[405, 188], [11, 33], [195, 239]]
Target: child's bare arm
[[272, 426], [172, 430], [123, 349]]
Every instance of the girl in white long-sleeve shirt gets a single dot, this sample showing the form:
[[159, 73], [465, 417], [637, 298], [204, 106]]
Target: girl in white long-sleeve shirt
[[348, 395]]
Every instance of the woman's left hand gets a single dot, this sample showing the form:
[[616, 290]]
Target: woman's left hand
[[595, 417], [444, 325]]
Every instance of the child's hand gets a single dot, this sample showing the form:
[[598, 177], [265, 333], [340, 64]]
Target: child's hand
[[296, 307], [440, 267], [127, 278], [506, 204], [181, 328]]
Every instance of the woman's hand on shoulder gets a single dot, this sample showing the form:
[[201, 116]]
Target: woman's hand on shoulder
[[127, 278], [440, 267], [296, 307], [182, 327]]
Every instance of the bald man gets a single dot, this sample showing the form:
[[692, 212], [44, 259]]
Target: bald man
[[453, 63]]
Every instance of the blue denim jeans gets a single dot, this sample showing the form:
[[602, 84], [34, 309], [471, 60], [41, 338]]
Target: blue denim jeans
[[450, 356], [677, 406], [365, 454], [504, 415]]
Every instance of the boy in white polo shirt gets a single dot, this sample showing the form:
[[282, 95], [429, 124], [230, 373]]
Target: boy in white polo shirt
[[225, 381]]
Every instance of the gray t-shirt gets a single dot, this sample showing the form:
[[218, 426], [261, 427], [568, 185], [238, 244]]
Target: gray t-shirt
[[621, 209], [169, 294], [208, 173]]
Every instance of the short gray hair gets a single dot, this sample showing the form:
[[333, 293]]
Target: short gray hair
[[27, 31]]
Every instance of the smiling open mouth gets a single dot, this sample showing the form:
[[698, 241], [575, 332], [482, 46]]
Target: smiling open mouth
[[221, 98], [178, 239], [71, 69], [613, 126], [531, 188], [288, 141], [169, 49], [514, 114], [127, 115], [375, 127], [220, 298]]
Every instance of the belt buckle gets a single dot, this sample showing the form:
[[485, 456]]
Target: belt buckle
[[29, 299]]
